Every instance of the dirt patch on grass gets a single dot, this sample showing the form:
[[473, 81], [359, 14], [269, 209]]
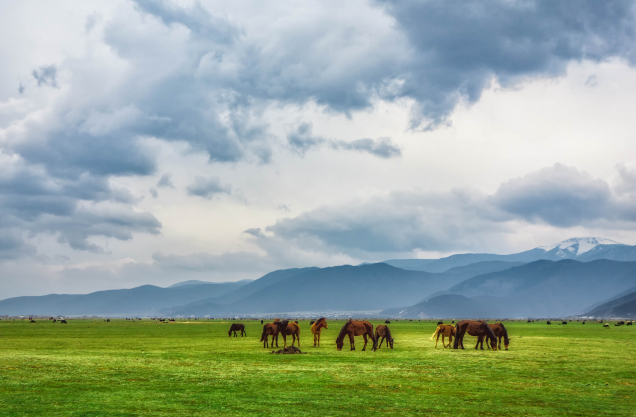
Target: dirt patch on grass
[[292, 350]]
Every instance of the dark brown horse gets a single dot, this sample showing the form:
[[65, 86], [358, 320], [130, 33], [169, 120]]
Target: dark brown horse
[[500, 331], [473, 328], [382, 331], [237, 327], [316, 327], [287, 329], [271, 329], [356, 328]]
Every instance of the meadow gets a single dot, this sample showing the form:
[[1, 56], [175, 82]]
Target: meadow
[[122, 368]]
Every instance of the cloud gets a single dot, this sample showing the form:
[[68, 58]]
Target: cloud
[[459, 48], [303, 140], [165, 181], [460, 219], [46, 75], [208, 187], [153, 192], [561, 196]]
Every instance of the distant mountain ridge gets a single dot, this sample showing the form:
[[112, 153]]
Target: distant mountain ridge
[[584, 249]]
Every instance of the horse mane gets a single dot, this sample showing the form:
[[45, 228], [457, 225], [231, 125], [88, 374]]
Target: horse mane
[[505, 335], [343, 331], [489, 331]]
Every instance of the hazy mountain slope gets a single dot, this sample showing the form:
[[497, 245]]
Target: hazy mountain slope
[[479, 268], [624, 306], [256, 285], [450, 306], [547, 288], [583, 249], [144, 300], [365, 287], [197, 282]]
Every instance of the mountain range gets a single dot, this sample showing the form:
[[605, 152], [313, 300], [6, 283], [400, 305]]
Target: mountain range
[[594, 276]]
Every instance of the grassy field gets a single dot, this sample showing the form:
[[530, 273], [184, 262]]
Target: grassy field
[[123, 368]]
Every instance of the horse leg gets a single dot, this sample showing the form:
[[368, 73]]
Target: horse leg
[[450, 340], [284, 341], [352, 340], [298, 337], [499, 345]]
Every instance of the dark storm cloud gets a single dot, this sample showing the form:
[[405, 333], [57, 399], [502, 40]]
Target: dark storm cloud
[[459, 47], [559, 196], [72, 209], [303, 140], [208, 187]]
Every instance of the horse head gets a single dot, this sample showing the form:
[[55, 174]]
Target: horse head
[[391, 343]]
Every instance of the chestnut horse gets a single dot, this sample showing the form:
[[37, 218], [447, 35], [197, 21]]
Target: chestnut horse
[[474, 328], [316, 327], [382, 331], [356, 328], [237, 327], [444, 330], [500, 331], [271, 329], [287, 329]]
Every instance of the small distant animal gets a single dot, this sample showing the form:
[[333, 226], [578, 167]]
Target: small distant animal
[[583, 323], [629, 323], [356, 328], [296, 321], [440, 322], [444, 330], [383, 331], [606, 325], [316, 326], [261, 321], [453, 322], [32, 321], [387, 322], [54, 320], [621, 322], [529, 321], [237, 327], [548, 322], [565, 322], [63, 322], [108, 321]]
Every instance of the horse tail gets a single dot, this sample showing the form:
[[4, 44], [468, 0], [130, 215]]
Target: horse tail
[[264, 335], [456, 342], [436, 333]]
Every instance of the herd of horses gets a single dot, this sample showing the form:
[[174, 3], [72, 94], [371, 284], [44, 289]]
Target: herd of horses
[[492, 334]]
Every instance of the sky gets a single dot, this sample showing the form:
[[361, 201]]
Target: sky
[[152, 142]]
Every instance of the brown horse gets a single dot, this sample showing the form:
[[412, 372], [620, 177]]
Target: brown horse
[[382, 331], [500, 331], [287, 329], [237, 327], [473, 328], [444, 330], [356, 328], [316, 327], [271, 329]]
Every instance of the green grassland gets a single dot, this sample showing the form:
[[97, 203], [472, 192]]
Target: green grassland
[[123, 368]]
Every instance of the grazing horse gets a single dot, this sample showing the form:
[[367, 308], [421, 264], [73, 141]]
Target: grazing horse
[[289, 329], [606, 325], [548, 322], [444, 330], [270, 329], [500, 331], [316, 326], [63, 322], [473, 328], [382, 331], [237, 327], [629, 323], [356, 328]]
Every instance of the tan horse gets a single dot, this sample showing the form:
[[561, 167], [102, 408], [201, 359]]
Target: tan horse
[[288, 329], [356, 328], [316, 327], [444, 330]]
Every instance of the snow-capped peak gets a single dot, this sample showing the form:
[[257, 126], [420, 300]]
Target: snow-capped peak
[[585, 244]]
